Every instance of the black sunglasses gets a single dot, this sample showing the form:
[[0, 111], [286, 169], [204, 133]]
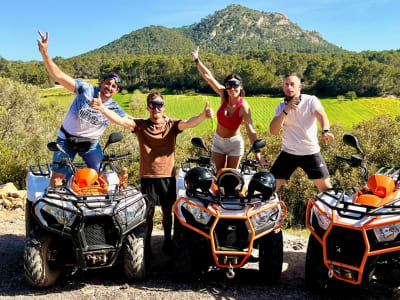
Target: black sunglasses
[[155, 104], [232, 84]]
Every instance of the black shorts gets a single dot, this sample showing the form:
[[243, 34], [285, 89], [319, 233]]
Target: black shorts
[[286, 163], [160, 191]]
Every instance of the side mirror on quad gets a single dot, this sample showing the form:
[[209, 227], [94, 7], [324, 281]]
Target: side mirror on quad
[[113, 138], [198, 142], [53, 146], [258, 144], [352, 141]]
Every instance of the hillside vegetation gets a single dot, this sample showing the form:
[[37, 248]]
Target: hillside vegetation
[[368, 74], [232, 30]]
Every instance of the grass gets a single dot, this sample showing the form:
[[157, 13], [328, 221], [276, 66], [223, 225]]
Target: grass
[[304, 233], [347, 113]]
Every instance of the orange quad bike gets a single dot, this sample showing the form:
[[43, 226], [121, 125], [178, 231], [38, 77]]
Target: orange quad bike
[[355, 237], [90, 221], [224, 220]]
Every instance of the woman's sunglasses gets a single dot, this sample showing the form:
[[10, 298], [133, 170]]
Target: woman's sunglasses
[[232, 84], [155, 104]]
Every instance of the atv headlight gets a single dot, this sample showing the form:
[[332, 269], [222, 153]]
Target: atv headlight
[[323, 221], [259, 220], [198, 214], [135, 211], [62, 216], [387, 233]]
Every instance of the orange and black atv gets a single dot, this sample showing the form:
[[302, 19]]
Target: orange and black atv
[[355, 238], [90, 221], [227, 219]]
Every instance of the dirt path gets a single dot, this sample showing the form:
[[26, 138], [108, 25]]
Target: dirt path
[[110, 283]]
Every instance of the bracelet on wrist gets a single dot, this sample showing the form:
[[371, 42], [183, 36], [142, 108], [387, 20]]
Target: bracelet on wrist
[[284, 112], [325, 131]]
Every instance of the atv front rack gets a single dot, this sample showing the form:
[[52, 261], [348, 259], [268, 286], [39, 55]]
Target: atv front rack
[[63, 193], [392, 172], [338, 200], [59, 208], [230, 203]]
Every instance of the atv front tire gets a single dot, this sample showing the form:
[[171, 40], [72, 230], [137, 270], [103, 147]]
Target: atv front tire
[[271, 256], [133, 255], [316, 273], [28, 207], [38, 271], [182, 256]]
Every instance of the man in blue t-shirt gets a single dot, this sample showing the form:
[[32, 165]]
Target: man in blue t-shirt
[[82, 126]]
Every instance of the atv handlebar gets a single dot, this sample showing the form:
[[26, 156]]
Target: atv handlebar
[[115, 157], [355, 162], [341, 158], [203, 161], [249, 166]]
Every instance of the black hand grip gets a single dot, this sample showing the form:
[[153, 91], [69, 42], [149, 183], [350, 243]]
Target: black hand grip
[[112, 157], [341, 158], [192, 160]]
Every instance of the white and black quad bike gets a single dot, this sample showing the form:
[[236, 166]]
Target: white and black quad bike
[[227, 219], [90, 221]]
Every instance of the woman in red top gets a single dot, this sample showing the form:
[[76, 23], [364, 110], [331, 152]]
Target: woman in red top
[[228, 146]]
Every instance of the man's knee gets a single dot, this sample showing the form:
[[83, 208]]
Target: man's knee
[[56, 178], [323, 183]]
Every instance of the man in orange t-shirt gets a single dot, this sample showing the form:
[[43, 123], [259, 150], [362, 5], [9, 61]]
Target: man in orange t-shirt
[[157, 139]]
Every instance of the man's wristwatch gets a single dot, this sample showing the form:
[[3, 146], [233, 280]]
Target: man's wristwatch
[[325, 131]]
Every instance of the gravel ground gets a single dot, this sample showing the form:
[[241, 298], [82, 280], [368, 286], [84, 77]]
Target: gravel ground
[[110, 284]]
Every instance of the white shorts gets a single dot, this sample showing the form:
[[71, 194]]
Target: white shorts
[[233, 146]]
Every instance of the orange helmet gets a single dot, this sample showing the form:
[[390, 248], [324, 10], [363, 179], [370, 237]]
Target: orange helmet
[[85, 177], [87, 182]]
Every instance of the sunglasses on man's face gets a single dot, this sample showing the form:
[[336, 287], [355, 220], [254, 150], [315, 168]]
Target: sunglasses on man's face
[[156, 104], [232, 84]]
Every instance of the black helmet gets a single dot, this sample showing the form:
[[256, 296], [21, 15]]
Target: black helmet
[[263, 182], [198, 179]]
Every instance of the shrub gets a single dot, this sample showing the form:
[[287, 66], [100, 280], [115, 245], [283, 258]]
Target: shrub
[[340, 97], [26, 126], [137, 103], [351, 95]]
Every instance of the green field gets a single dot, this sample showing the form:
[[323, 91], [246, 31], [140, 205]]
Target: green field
[[346, 113]]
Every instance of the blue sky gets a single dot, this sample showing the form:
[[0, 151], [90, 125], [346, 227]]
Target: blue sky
[[76, 27]]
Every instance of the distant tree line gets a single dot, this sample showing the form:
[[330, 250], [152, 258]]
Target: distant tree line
[[367, 73]]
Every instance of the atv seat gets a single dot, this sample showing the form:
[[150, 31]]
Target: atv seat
[[380, 191]]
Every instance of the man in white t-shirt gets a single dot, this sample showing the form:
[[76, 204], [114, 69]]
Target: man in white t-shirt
[[297, 115], [82, 126]]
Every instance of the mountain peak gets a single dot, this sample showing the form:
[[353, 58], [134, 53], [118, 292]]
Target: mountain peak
[[232, 30]]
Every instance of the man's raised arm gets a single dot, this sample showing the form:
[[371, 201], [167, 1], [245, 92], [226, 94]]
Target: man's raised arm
[[126, 121], [59, 76]]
